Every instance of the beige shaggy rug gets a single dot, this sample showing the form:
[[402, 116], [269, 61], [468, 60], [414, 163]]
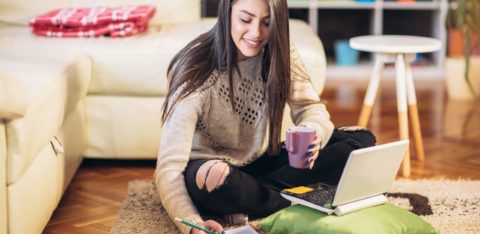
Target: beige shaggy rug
[[450, 206]]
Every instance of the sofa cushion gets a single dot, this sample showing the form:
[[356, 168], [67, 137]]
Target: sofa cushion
[[13, 102], [168, 12], [137, 65], [53, 85], [311, 51], [134, 66], [116, 130]]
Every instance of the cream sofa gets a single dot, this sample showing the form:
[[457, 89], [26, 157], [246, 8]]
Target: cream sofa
[[111, 108], [42, 134]]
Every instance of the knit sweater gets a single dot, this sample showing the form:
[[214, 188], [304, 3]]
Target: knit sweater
[[203, 125]]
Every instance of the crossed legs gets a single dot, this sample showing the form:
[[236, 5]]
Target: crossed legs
[[218, 188]]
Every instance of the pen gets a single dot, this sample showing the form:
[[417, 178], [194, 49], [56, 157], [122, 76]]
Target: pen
[[195, 226]]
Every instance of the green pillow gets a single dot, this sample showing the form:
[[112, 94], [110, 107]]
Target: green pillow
[[385, 218]]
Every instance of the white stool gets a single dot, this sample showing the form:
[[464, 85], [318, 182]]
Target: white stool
[[401, 50]]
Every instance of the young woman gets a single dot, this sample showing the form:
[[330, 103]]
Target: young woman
[[220, 152]]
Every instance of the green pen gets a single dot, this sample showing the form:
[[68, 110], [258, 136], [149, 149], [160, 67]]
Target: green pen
[[195, 226]]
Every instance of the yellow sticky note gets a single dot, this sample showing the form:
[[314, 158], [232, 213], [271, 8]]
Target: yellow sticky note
[[299, 190]]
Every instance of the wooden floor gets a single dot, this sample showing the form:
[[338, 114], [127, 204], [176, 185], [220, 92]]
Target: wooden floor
[[451, 133]]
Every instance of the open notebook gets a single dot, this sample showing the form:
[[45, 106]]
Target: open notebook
[[247, 229]]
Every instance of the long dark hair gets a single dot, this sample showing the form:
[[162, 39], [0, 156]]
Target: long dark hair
[[215, 50]]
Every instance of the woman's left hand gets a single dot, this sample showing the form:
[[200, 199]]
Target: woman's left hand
[[312, 152]]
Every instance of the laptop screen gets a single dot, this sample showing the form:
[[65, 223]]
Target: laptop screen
[[370, 172]]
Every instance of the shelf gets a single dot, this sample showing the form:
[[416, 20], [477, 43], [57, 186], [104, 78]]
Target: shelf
[[411, 6], [344, 5], [342, 19], [298, 4], [320, 4]]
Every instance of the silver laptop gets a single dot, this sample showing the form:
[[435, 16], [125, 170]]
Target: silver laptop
[[368, 174]]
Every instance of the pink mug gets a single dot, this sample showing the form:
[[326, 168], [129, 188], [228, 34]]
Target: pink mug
[[297, 144]]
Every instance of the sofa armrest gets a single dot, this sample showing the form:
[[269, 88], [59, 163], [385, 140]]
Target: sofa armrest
[[3, 179], [13, 99]]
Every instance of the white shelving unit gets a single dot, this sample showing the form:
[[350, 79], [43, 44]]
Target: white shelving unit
[[437, 8]]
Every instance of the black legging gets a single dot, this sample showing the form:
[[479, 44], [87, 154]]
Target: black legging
[[254, 189]]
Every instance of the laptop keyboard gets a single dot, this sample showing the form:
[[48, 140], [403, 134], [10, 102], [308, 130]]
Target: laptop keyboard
[[322, 197]]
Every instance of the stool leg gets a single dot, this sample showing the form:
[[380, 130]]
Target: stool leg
[[371, 93], [402, 108], [413, 111]]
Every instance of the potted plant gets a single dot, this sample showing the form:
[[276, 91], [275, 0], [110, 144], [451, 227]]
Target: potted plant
[[464, 16]]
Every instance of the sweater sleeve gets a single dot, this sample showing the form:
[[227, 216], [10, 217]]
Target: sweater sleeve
[[305, 105], [173, 156]]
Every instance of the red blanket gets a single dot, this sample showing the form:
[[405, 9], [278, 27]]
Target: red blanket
[[92, 22]]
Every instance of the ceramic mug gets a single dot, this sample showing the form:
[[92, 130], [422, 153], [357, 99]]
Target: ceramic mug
[[297, 144]]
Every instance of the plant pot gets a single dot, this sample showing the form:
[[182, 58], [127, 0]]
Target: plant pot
[[455, 43], [457, 87]]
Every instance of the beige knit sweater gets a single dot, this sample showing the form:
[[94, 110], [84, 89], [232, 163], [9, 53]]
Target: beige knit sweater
[[204, 126]]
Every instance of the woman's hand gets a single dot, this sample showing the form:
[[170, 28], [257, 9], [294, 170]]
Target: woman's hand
[[210, 225], [312, 153]]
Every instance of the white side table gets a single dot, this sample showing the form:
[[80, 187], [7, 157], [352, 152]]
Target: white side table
[[400, 50]]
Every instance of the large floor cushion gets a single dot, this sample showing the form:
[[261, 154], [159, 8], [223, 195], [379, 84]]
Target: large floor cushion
[[51, 86], [137, 65], [382, 219]]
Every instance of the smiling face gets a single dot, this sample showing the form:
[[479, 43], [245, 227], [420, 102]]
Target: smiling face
[[250, 26]]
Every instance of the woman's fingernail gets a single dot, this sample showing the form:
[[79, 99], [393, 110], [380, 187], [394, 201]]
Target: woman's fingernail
[[310, 159], [311, 145], [309, 151]]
